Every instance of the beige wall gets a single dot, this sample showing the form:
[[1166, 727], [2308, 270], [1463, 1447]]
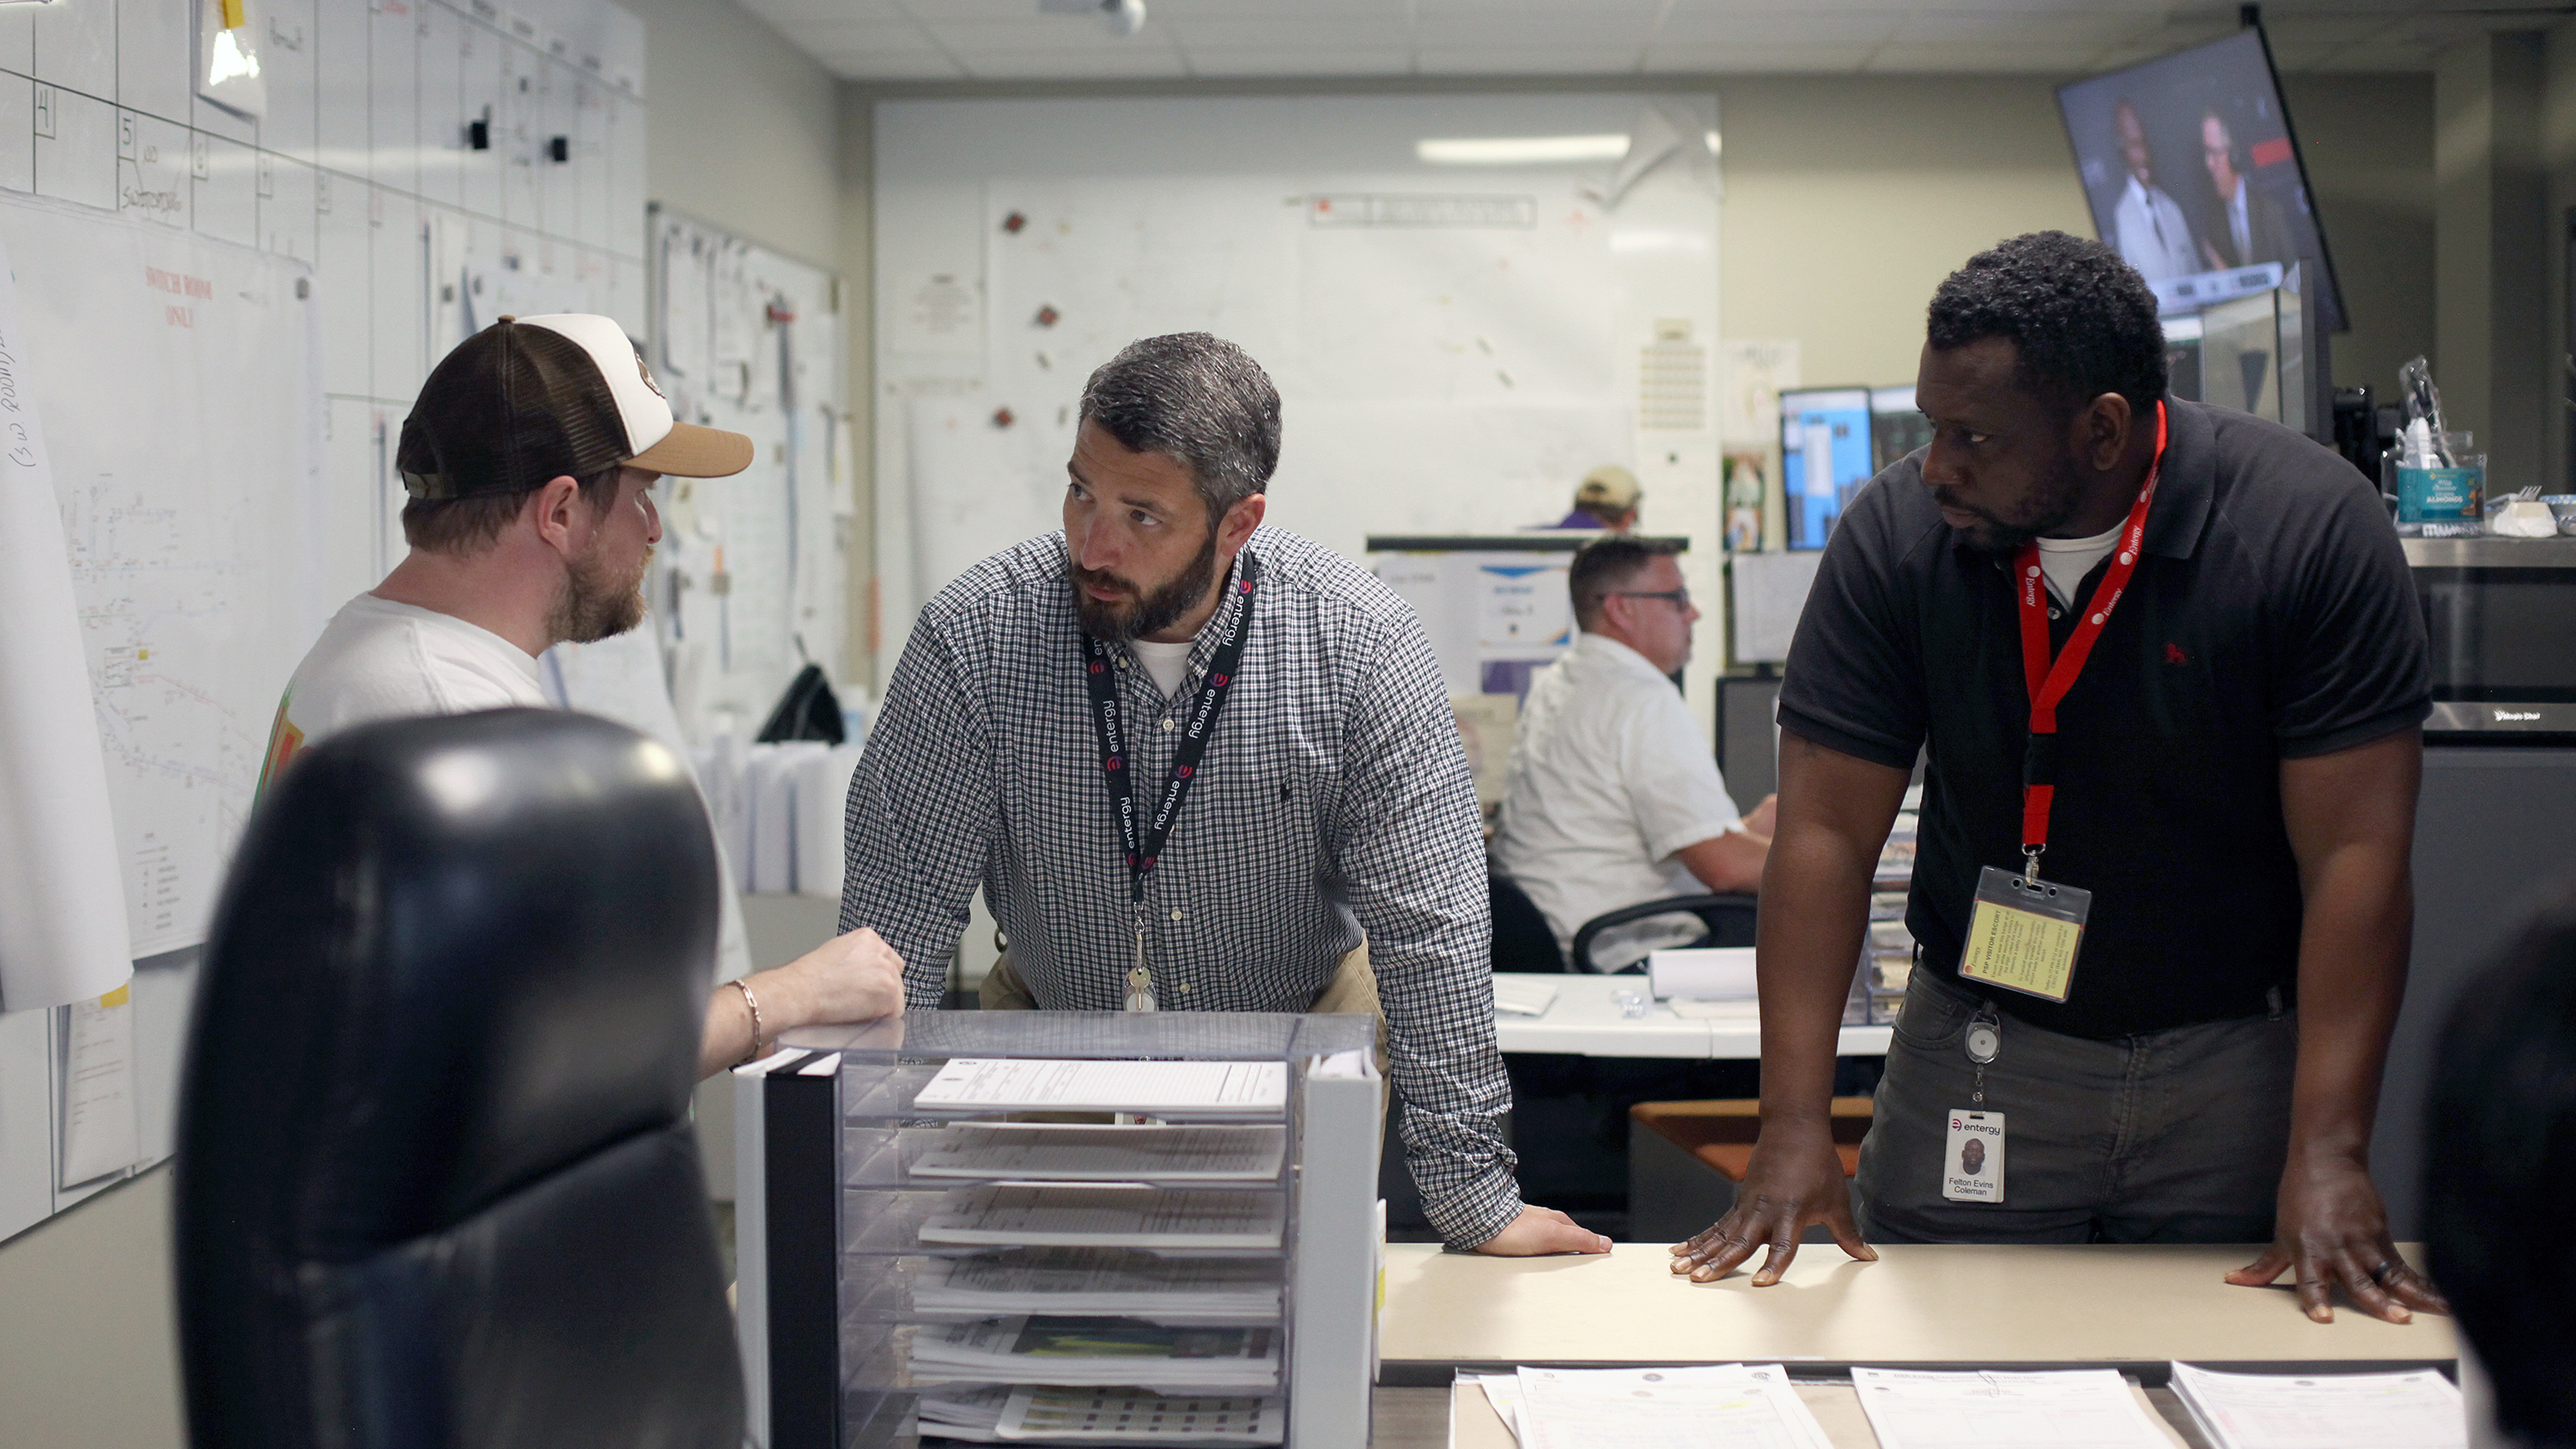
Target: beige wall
[[741, 127]]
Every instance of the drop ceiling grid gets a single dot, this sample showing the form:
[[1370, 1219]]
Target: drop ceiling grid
[[914, 40]]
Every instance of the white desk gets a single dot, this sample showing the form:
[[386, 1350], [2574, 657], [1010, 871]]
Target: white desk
[[1589, 1019]]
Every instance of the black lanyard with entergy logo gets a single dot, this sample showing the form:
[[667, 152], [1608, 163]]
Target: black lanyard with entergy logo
[[1144, 846]]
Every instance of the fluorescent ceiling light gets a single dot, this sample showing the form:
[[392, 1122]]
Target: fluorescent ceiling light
[[1520, 150]]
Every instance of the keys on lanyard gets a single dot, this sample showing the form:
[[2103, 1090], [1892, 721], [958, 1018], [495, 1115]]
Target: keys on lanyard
[[1142, 843]]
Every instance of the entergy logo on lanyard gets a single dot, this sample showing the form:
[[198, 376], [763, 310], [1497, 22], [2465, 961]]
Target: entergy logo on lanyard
[[1143, 846], [2023, 932]]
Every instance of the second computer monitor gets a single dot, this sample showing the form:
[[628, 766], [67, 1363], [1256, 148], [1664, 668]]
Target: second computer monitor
[[1824, 457]]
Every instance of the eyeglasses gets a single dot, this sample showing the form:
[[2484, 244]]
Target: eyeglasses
[[1680, 597]]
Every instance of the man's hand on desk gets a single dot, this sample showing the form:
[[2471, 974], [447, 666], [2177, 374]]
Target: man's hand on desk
[[1539, 1231], [852, 977], [2330, 1229], [1792, 1183]]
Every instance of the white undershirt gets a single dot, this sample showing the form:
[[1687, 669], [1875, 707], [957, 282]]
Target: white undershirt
[[1169, 664], [2065, 561]]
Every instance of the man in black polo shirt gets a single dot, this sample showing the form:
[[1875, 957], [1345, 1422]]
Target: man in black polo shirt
[[2165, 656]]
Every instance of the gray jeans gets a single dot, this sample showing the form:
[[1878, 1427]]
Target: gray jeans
[[2165, 1137]]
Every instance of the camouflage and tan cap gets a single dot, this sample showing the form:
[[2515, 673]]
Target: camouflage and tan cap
[[530, 399]]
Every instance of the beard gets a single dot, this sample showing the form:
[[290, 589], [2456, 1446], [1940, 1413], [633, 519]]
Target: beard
[[2049, 507], [1145, 612], [596, 601]]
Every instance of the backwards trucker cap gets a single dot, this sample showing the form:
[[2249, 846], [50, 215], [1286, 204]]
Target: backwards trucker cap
[[529, 399], [1610, 486]]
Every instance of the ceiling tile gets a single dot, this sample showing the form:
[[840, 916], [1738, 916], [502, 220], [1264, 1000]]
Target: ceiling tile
[[1042, 33], [1985, 59], [1757, 59], [1775, 27], [1960, 29], [2326, 29], [846, 35], [880, 65], [1378, 60], [779, 12], [1308, 33], [1133, 64], [2380, 58], [1531, 32], [1534, 60], [990, 11]]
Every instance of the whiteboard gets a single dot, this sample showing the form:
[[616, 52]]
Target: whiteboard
[[225, 472], [1455, 347], [751, 575]]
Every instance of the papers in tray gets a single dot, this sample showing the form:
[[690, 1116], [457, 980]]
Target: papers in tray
[[2421, 1410], [1052, 1152], [1104, 1416], [1037, 1085], [1100, 1281], [1727, 1406], [1097, 1352], [1195, 1219], [1524, 995], [2064, 1409]]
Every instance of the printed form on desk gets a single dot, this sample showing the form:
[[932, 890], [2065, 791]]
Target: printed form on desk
[[1724, 1406], [2049, 1409], [1036, 1085], [2416, 1410]]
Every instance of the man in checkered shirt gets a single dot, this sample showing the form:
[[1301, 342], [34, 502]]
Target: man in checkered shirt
[[1329, 838]]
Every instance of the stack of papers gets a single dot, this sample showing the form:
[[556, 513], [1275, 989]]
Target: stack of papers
[[2420, 1410], [2065, 1409], [1728, 1406], [1201, 1220], [1103, 1416], [1052, 1152], [1030, 1084], [1524, 995], [1100, 1281], [1710, 973], [1097, 1352]]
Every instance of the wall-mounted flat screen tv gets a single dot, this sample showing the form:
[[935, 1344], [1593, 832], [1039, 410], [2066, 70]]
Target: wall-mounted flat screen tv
[[2194, 175]]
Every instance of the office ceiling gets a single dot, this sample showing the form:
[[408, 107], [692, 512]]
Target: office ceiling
[[954, 40]]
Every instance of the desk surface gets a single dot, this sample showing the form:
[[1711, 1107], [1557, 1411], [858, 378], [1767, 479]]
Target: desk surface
[[1473, 1423], [1589, 1019], [1946, 1305]]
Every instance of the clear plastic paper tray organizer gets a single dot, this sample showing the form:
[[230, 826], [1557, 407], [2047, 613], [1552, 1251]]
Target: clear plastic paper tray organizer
[[978, 1268]]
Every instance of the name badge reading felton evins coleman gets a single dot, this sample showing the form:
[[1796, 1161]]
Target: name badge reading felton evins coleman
[[2024, 933]]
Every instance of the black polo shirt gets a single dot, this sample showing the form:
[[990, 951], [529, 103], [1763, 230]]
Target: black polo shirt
[[2271, 618]]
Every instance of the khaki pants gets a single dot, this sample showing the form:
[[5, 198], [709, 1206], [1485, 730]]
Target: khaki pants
[[1353, 991]]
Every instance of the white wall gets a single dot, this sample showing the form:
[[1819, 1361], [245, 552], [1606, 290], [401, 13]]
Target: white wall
[[745, 131]]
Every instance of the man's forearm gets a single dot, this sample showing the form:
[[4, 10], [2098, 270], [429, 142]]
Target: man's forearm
[[1815, 905], [2355, 930]]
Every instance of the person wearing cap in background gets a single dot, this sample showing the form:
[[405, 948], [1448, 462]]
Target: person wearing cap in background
[[1606, 499], [529, 458]]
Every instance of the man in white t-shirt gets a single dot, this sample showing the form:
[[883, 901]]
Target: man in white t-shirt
[[2147, 226], [528, 459], [1613, 796]]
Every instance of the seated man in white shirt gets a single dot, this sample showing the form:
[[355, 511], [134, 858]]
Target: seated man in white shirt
[[528, 458], [1613, 796]]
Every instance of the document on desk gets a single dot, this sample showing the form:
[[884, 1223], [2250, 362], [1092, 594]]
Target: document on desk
[[2418, 1410], [2062, 1409], [1038, 1085], [1523, 995], [1725, 1406]]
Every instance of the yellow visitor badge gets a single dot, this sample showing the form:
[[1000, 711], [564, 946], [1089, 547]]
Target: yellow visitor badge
[[2024, 933]]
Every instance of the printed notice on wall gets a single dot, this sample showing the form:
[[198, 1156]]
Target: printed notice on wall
[[98, 1088]]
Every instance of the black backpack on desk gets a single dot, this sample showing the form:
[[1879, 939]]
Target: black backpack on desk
[[436, 1185]]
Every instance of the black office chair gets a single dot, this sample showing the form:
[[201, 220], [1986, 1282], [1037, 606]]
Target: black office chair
[[436, 1185], [1523, 940], [1730, 920]]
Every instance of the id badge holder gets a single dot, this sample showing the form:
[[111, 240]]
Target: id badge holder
[[2024, 933]]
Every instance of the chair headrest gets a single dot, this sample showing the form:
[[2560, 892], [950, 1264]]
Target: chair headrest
[[459, 952]]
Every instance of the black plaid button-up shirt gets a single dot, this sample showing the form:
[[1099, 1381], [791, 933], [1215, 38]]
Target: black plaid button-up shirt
[[1333, 804]]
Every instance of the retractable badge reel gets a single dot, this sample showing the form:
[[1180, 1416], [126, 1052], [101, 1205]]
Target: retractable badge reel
[[1972, 1156]]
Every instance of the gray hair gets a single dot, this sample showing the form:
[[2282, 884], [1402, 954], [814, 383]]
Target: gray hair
[[1198, 399]]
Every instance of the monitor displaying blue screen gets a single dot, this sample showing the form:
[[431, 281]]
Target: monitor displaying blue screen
[[1824, 458]]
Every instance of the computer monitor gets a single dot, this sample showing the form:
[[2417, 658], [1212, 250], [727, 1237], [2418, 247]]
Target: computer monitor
[[1824, 458], [2194, 175], [1896, 426]]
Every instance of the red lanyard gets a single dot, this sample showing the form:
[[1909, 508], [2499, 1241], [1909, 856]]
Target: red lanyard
[[2049, 682]]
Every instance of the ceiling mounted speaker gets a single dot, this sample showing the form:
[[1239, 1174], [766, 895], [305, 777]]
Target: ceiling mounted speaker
[[1119, 17]]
